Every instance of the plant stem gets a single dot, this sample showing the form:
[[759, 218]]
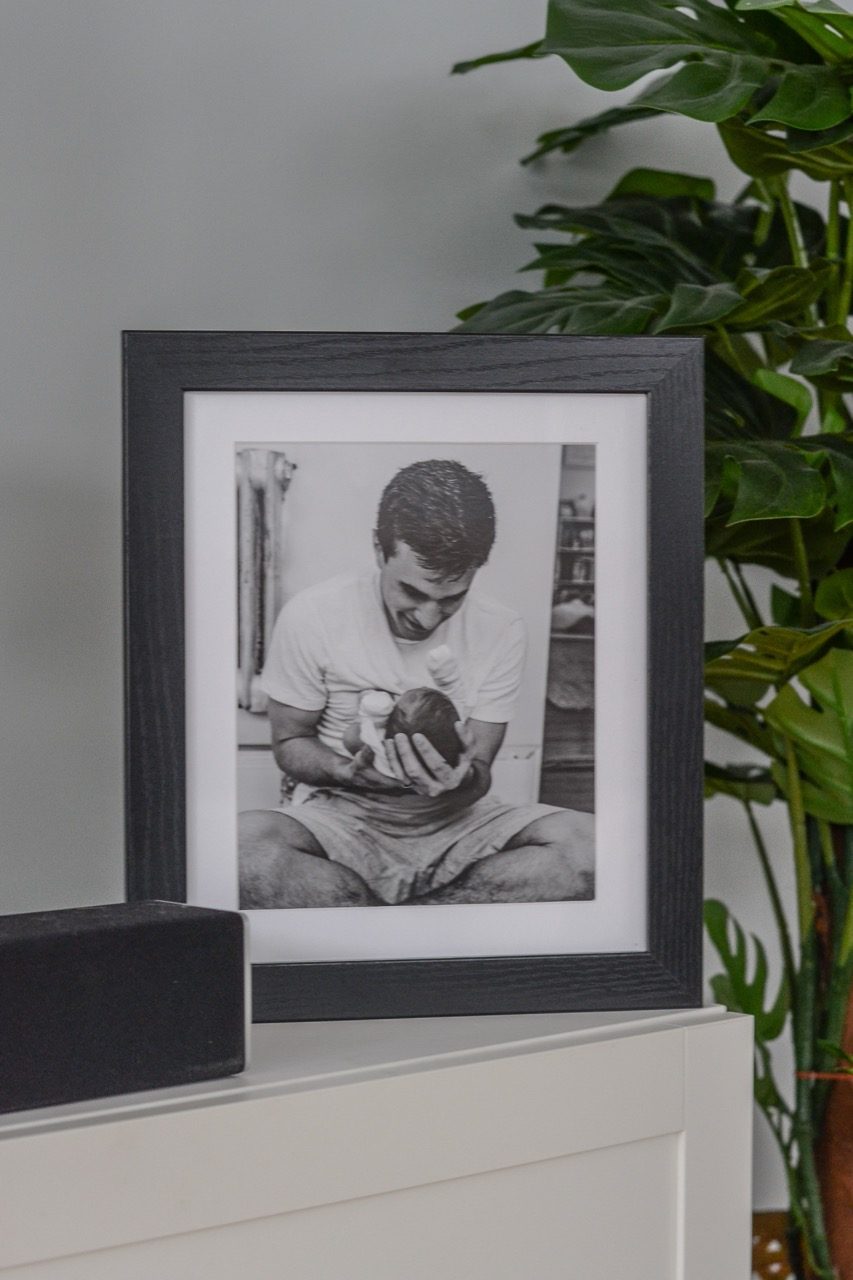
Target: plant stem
[[837, 887], [803, 1020], [775, 898], [833, 247], [802, 866], [815, 1232], [767, 209], [837, 1000], [833, 223], [842, 306], [838, 995], [845, 941], [792, 223], [750, 614], [744, 586], [829, 404], [799, 257], [847, 856], [838, 981], [810, 1202], [801, 563]]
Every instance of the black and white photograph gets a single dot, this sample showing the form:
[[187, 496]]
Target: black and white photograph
[[416, 674], [415, 671]]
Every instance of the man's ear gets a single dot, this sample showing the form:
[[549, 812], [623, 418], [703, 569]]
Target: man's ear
[[377, 550]]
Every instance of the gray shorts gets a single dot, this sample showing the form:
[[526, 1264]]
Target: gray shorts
[[402, 849]]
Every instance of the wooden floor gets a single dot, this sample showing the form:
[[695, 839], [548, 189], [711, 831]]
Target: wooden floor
[[570, 786], [568, 751]]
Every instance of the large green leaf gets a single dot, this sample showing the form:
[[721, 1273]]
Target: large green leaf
[[702, 241], [663, 184], [518, 312], [743, 723], [786, 609], [712, 90], [777, 294], [763, 155], [723, 61], [764, 657], [818, 139], [736, 408], [735, 988], [827, 363], [789, 390], [579, 311], [765, 479], [767, 543], [635, 222], [822, 734], [640, 268], [825, 26], [745, 782], [834, 454], [612, 43], [772, 479], [610, 314], [693, 306], [570, 137], [817, 800], [809, 98], [834, 596]]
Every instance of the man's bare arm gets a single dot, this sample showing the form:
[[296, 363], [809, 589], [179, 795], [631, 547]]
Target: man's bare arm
[[301, 754], [487, 743]]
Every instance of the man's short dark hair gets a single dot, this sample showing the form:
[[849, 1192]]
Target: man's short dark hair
[[443, 511]]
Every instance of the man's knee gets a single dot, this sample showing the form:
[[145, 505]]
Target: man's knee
[[569, 873], [567, 843], [267, 841], [266, 831], [281, 864]]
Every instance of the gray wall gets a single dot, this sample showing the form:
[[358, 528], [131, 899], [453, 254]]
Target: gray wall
[[197, 164]]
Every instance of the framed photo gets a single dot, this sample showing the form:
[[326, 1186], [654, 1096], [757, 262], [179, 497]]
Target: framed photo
[[415, 621]]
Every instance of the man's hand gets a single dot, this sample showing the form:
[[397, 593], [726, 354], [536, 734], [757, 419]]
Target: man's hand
[[360, 774], [426, 770]]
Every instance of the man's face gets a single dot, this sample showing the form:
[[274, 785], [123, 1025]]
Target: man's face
[[417, 602]]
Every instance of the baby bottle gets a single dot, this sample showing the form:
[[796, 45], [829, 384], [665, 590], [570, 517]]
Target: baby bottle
[[376, 706], [373, 711], [445, 671]]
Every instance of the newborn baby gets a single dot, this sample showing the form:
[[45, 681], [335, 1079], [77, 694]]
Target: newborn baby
[[431, 713], [422, 710]]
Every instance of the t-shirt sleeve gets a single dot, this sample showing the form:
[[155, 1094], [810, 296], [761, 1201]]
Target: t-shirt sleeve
[[294, 670], [496, 696]]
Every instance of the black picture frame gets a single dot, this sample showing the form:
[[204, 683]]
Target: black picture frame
[[159, 368]]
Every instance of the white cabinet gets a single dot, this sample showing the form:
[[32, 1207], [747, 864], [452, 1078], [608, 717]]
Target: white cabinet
[[570, 1146]]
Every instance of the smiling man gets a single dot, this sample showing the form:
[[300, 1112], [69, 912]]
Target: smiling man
[[431, 834]]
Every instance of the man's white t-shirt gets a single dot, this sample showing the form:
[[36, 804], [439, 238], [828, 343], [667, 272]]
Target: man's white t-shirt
[[331, 642]]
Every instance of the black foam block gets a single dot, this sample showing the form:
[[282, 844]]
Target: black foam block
[[105, 1000]]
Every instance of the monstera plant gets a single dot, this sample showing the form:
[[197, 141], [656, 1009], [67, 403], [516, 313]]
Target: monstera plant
[[767, 281]]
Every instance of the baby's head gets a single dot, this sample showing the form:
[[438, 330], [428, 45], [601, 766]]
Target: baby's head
[[431, 713]]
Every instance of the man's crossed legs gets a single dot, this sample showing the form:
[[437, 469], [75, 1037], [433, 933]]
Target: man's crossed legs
[[282, 864]]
